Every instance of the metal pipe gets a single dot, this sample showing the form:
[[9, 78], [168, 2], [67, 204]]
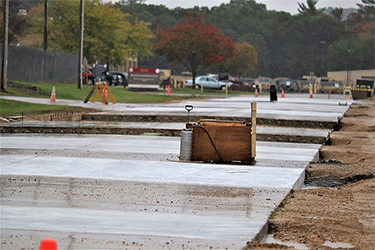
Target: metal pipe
[[186, 144]]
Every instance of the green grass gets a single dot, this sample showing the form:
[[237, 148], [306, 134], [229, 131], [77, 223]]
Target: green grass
[[16, 108], [71, 91], [120, 94]]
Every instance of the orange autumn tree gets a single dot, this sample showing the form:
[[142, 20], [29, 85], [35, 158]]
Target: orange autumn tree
[[194, 44]]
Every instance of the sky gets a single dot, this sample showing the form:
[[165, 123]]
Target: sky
[[290, 6]]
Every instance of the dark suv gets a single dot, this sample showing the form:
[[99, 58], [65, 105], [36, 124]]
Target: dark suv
[[112, 79]]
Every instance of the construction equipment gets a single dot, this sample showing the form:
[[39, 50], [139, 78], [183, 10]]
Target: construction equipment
[[102, 90]]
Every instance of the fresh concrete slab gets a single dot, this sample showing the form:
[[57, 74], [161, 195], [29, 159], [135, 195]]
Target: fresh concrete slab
[[153, 145], [143, 171], [148, 202], [293, 106], [116, 191], [264, 133]]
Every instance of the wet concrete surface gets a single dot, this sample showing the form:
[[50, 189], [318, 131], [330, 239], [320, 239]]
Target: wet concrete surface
[[292, 107], [264, 133], [158, 148], [293, 119], [48, 188], [294, 111], [121, 191]]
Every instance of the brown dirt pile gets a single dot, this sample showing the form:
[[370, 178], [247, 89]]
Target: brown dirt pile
[[344, 213]]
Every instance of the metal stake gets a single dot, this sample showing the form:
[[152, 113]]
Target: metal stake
[[188, 108]]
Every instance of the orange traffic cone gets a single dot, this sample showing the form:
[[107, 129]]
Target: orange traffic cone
[[169, 90], [282, 93], [256, 92], [105, 95], [48, 244], [311, 94], [53, 95]]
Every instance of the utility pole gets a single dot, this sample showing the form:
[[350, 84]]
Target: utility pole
[[80, 55], [4, 53], [45, 24]]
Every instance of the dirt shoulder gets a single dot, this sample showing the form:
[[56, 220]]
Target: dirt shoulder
[[338, 204]]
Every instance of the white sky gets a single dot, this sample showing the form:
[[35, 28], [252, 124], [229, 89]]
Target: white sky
[[290, 6]]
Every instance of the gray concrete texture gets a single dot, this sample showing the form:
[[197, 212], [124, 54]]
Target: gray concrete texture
[[132, 192], [264, 133], [47, 189], [292, 106]]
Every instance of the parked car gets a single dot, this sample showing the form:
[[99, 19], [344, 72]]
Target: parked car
[[208, 82], [101, 75], [122, 77], [243, 86], [112, 80], [286, 84]]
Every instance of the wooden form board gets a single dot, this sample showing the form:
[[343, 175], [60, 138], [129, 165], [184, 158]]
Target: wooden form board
[[253, 129], [233, 143], [221, 123], [225, 141]]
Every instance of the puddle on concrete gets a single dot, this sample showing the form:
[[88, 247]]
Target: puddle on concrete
[[270, 239], [313, 187], [335, 245]]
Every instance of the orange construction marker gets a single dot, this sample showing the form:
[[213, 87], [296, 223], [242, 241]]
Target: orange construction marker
[[105, 95], [48, 244], [53, 95]]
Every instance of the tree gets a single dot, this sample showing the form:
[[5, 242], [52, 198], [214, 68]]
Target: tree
[[109, 36], [286, 45], [337, 13], [311, 35], [195, 44], [354, 20], [310, 9], [367, 9], [18, 22], [243, 64], [355, 52], [276, 58]]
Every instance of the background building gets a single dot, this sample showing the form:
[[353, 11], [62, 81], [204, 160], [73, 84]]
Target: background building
[[350, 77]]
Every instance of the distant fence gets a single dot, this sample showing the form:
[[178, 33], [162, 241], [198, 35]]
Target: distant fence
[[33, 65]]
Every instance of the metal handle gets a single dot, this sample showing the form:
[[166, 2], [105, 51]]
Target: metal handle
[[189, 108]]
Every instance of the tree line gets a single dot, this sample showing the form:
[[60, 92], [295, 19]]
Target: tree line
[[284, 45]]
